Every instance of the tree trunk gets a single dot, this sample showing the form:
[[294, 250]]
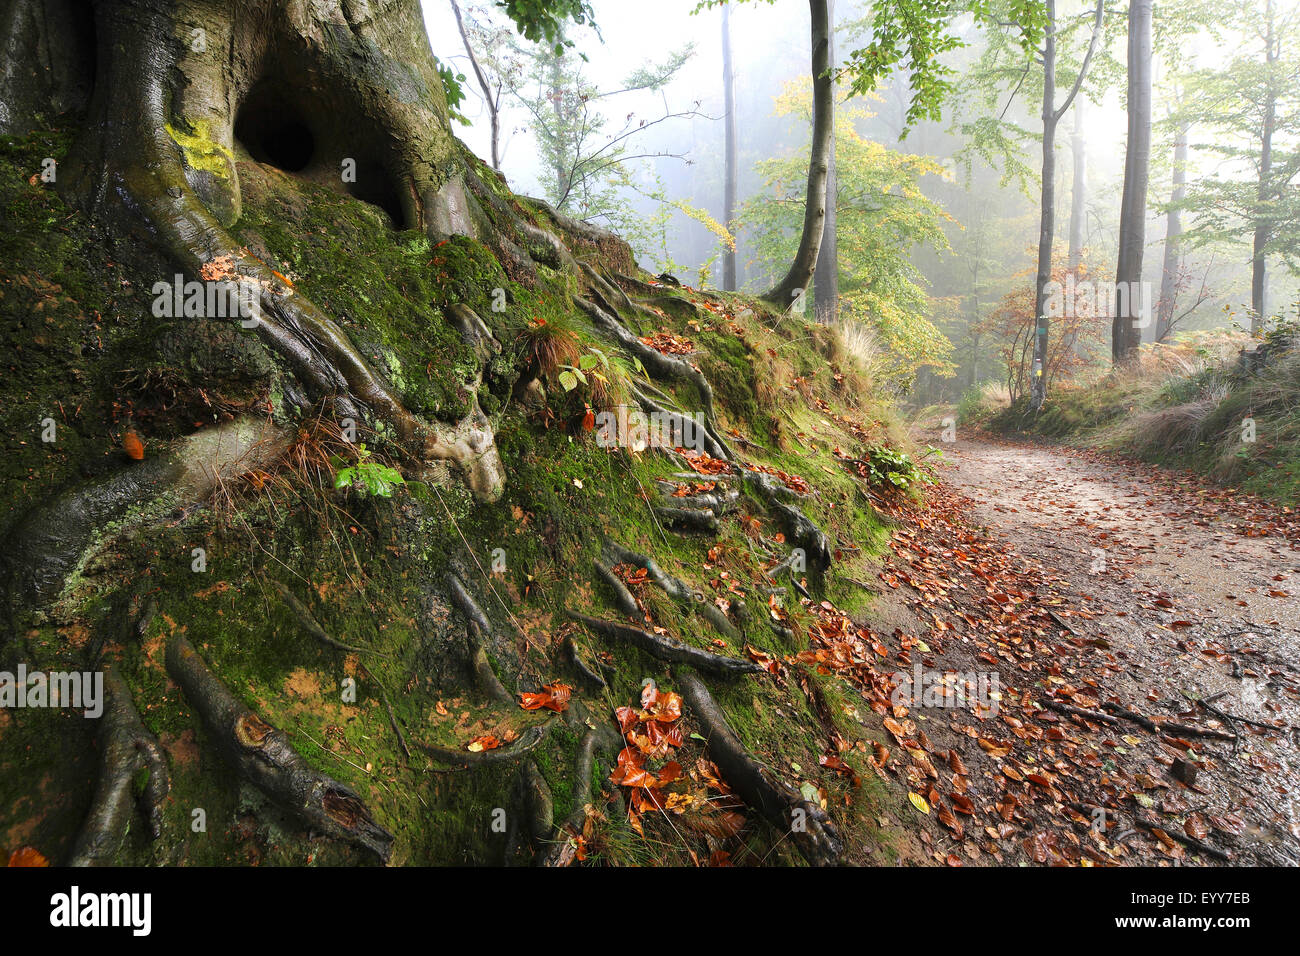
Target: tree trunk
[[795, 284], [1078, 191], [494, 115], [729, 158], [1258, 264], [826, 282], [1173, 262], [1126, 330], [1047, 216]]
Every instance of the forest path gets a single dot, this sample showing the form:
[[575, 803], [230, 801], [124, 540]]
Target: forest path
[[1105, 583]]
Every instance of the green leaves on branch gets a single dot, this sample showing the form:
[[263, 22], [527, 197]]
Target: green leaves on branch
[[454, 85], [883, 217], [542, 21]]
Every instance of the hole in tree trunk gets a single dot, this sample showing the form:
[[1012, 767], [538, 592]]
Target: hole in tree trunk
[[289, 128], [273, 132]]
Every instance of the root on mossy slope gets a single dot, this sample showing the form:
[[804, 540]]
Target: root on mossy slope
[[126, 748], [262, 755], [783, 807]]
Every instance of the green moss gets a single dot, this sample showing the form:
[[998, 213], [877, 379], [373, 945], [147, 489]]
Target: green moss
[[202, 151]]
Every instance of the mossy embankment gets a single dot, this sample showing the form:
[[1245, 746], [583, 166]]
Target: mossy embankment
[[86, 350]]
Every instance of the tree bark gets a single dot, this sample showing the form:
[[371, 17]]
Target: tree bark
[[729, 174], [494, 114], [1047, 216], [1126, 329], [826, 281], [795, 284], [1173, 259], [1079, 188], [1258, 264]]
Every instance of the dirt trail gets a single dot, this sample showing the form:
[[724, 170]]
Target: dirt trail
[[1158, 592]]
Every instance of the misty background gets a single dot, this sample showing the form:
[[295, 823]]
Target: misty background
[[991, 222]]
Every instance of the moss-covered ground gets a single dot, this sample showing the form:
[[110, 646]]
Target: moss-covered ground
[[84, 348]]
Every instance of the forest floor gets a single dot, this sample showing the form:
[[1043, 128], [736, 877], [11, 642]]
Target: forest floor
[[1164, 597]]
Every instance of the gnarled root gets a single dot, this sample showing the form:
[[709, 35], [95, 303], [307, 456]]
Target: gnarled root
[[479, 628], [262, 755], [659, 364], [564, 850], [668, 648], [799, 529], [688, 519], [466, 760], [588, 675], [125, 748], [675, 588], [807, 823], [721, 501]]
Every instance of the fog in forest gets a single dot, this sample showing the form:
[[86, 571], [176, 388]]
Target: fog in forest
[[986, 204]]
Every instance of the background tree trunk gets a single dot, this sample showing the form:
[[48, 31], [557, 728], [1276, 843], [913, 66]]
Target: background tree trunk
[[796, 281], [1126, 330], [826, 282], [1079, 188], [1173, 259], [729, 158], [1047, 218], [489, 101], [1258, 264]]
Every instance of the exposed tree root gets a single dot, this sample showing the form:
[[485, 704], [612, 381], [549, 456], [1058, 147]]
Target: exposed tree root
[[479, 628], [669, 649], [453, 759], [1073, 711], [388, 708], [537, 798], [1168, 830], [624, 599], [126, 747], [799, 529], [806, 823], [311, 625], [1167, 726], [657, 363], [683, 431], [688, 519], [588, 676], [721, 502], [564, 849], [263, 755], [675, 588]]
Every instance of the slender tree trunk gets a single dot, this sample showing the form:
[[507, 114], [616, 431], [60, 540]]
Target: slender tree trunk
[[1258, 264], [729, 171], [1047, 218], [559, 159], [1047, 215], [494, 116], [826, 283], [1173, 263], [1126, 329], [1078, 190], [795, 283]]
